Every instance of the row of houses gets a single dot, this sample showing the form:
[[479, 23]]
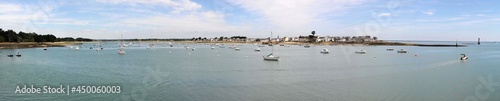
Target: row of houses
[[312, 38], [308, 38]]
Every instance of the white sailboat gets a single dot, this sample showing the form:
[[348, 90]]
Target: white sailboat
[[121, 51], [271, 56]]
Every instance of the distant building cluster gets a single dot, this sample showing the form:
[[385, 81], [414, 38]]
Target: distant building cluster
[[306, 38]]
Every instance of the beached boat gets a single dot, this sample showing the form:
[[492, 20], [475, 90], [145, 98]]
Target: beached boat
[[402, 51], [324, 51], [360, 52]]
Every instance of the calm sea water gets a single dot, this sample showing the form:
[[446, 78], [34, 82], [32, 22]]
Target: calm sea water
[[223, 74]]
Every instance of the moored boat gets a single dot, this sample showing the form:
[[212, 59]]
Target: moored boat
[[402, 51], [324, 51], [463, 57], [360, 51], [257, 49]]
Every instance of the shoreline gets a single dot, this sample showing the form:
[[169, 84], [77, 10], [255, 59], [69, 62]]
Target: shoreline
[[378, 43], [21, 45]]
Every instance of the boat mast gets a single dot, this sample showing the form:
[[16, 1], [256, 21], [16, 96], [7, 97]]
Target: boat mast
[[121, 40], [271, 41]]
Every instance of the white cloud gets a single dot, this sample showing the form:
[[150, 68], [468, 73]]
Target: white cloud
[[480, 15], [384, 14], [295, 14], [428, 12], [9, 8], [177, 5], [209, 22]]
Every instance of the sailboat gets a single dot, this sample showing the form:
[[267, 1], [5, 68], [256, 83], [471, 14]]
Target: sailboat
[[121, 51], [271, 56]]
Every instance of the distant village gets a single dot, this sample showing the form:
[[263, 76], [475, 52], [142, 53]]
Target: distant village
[[307, 38]]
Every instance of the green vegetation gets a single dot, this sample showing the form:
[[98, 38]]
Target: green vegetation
[[12, 36]]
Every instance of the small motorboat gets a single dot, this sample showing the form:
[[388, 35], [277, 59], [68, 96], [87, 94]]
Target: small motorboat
[[360, 52], [257, 49], [237, 49], [402, 51], [282, 45], [10, 55], [463, 57], [262, 46], [232, 46], [18, 54], [193, 49], [390, 49], [121, 51], [76, 49], [213, 48], [324, 51], [307, 46], [44, 48], [287, 45]]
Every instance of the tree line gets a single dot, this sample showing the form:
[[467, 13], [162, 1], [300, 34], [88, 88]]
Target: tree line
[[12, 36]]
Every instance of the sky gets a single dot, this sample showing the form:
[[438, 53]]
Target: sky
[[447, 20]]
